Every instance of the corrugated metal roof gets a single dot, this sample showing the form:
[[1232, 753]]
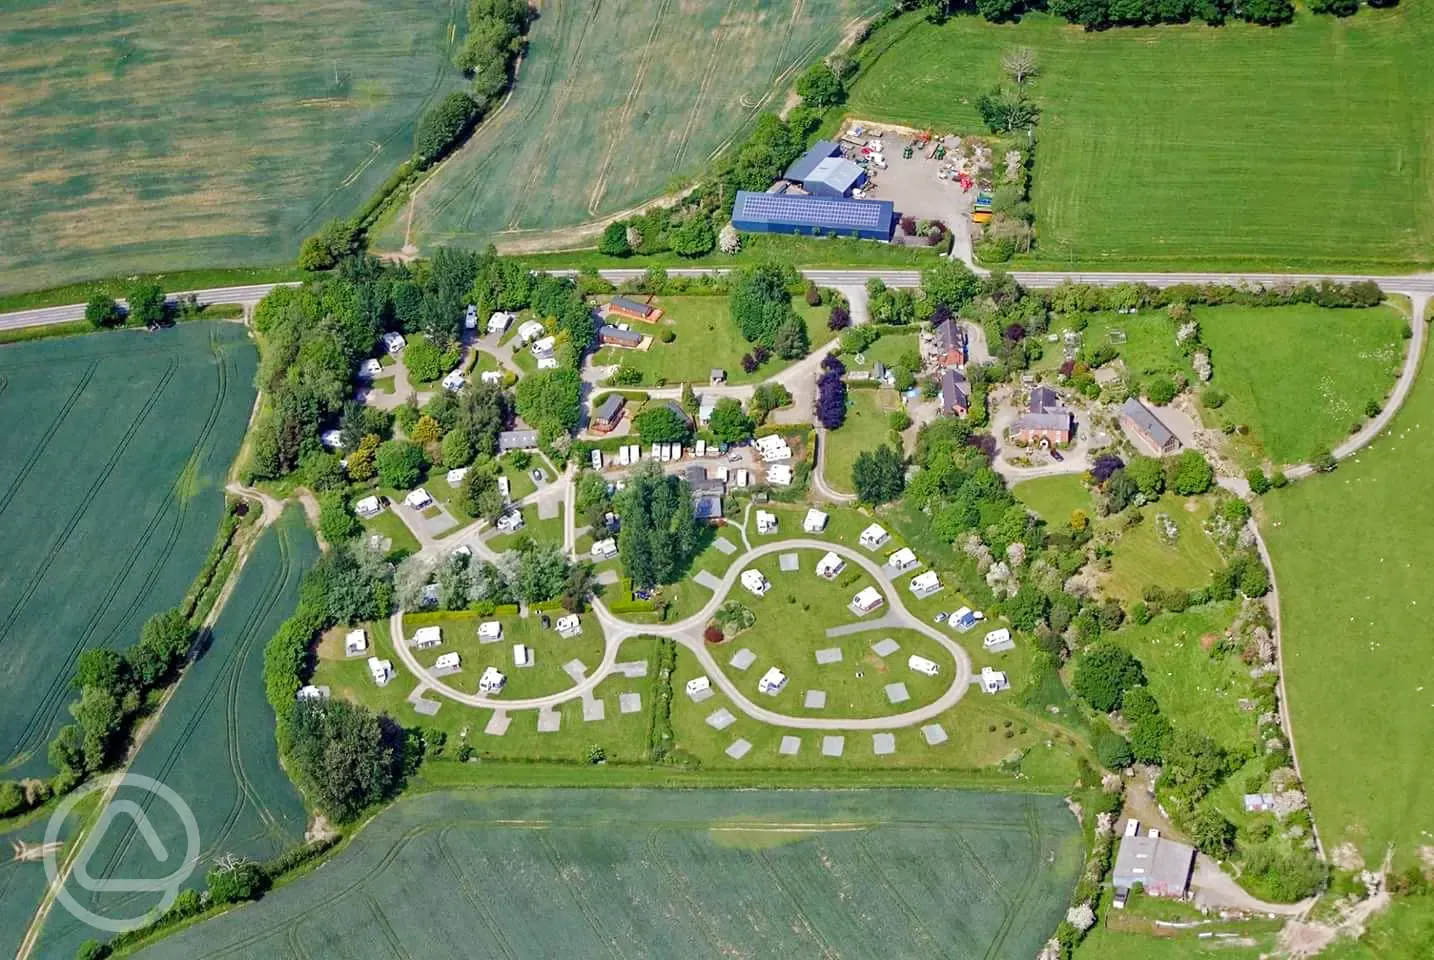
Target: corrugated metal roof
[[803, 166], [836, 173], [818, 212]]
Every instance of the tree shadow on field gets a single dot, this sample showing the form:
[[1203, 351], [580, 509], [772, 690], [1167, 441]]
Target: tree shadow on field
[[202, 644]]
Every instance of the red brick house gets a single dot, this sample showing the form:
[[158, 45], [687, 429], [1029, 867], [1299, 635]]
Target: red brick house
[[951, 343]]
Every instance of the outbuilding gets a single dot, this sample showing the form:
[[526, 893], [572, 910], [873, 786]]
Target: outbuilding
[[1140, 421], [610, 336], [1161, 866], [633, 310], [787, 213], [609, 413]]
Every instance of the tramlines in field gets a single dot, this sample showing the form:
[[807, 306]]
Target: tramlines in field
[[115, 448], [691, 873], [214, 745]]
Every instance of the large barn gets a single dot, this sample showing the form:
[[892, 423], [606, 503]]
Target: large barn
[[813, 216]]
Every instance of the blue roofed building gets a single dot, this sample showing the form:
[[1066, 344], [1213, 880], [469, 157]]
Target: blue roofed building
[[834, 177], [813, 216], [803, 166]]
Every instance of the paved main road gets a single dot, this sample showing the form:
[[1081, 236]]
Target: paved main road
[[253, 293]]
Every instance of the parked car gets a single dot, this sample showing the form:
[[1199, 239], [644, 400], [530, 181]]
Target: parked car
[[537, 476], [734, 458], [940, 618], [1056, 455]]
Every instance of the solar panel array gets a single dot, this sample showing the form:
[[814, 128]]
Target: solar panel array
[[813, 211]]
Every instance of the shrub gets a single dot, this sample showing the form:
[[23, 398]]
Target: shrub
[[244, 882], [1160, 389], [1372, 408], [1104, 673], [1113, 750], [1259, 483], [668, 336], [713, 634]]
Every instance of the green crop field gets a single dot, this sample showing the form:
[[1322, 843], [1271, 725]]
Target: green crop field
[[115, 449], [214, 746], [23, 882], [150, 136], [1352, 555], [1234, 146], [614, 101], [692, 873]]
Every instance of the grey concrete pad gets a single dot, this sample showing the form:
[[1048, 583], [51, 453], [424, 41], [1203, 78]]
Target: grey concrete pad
[[934, 734], [828, 655], [576, 669], [708, 579], [883, 743], [549, 508], [608, 577], [814, 699], [498, 724], [896, 693], [724, 545], [887, 621], [787, 563], [631, 668], [549, 721], [446, 671], [738, 749], [426, 707], [790, 746], [721, 719], [833, 746], [885, 648], [593, 709], [629, 702], [742, 659], [701, 695], [1001, 647]]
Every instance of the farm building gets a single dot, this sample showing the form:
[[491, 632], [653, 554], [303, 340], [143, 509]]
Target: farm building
[[755, 582], [490, 631], [951, 343], [610, 336], [633, 310], [868, 600], [492, 681], [802, 167], [824, 172], [874, 536], [510, 440], [604, 549], [994, 681], [426, 637], [568, 626], [1161, 866], [608, 414], [815, 522], [925, 584], [813, 216], [902, 560], [955, 400], [1140, 421], [772, 682], [830, 566], [380, 670], [922, 665], [368, 507], [355, 643], [1045, 421], [766, 522]]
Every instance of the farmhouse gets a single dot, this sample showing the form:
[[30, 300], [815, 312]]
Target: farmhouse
[[778, 475], [1045, 421], [1142, 423], [951, 343], [569, 626], [1162, 867], [380, 670], [609, 413], [426, 637], [355, 643], [492, 681], [830, 566], [522, 655], [922, 665], [813, 216], [530, 330], [394, 342], [610, 336], [499, 322], [994, 681], [874, 536], [955, 398], [510, 440], [418, 499], [772, 682], [633, 310], [755, 582], [925, 584], [998, 640], [368, 507], [866, 601], [815, 522], [447, 663], [490, 631], [604, 549], [766, 522], [902, 560]]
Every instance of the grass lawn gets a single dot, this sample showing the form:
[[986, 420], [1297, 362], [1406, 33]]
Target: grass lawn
[[550, 651], [387, 524], [1142, 558], [1054, 499], [548, 531], [756, 248], [890, 348], [865, 429], [1406, 929], [706, 338], [1178, 147], [1352, 552]]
